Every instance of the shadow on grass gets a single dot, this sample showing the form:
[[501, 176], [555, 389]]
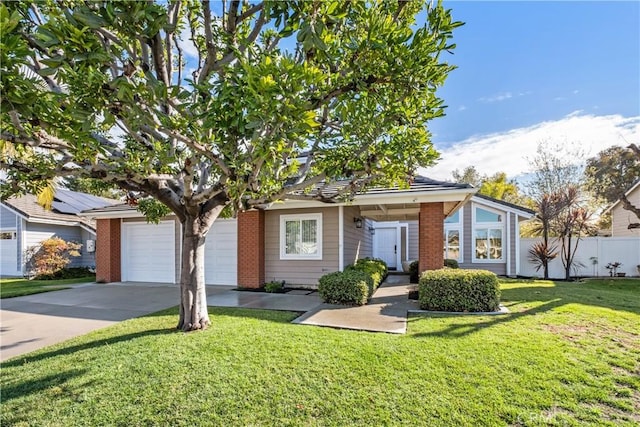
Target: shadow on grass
[[36, 385], [278, 316], [34, 357], [547, 298]]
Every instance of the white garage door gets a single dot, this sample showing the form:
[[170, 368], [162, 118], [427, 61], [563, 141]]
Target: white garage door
[[221, 253], [8, 254], [148, 252]]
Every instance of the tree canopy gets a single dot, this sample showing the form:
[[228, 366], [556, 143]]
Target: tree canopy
[[202, 104], [498, 185]]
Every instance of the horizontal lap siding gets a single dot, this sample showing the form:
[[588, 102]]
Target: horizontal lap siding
[[621, 218], [301, 272], [7, 219], [357, 241]]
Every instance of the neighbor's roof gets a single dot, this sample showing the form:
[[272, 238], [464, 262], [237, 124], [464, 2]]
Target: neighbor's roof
[[64, 208], [627, 193]]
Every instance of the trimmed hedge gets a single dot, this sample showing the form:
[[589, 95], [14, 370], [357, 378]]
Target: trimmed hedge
[[351, 287], [414, 272], [375, 268], [459, 290]]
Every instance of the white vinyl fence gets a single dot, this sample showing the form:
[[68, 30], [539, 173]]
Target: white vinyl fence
[[625, 250]]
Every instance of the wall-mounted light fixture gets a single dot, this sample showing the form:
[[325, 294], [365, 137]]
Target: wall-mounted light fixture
[[372, 230], [358, 222]]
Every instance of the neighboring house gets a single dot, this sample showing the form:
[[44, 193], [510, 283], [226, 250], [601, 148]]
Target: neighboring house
[[621, 218], [300, 241], [24, 224]]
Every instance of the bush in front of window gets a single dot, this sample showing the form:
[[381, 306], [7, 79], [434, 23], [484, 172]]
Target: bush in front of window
[[451, 263], [375, 268], [459, 290], [51, 256], [350, 287]]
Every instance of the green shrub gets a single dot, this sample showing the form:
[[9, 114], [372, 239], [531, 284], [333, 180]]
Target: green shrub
[[50, 256], [66, 273], [451, 263], [414, 272], [351, 287], [375, 268], [459, 290], [274, 287]]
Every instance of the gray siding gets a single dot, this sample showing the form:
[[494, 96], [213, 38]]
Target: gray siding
[[513, 219], [87, 258], [36, 233], [7, 218], [413, 240], [499, 268], [20, 226], [358, 242], [301, 272]]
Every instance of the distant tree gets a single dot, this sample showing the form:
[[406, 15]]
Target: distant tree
[[612, 172], [468, 175], [556, 165]]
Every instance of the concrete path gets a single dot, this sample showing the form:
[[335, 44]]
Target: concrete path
[[386, 312], [31, 322]]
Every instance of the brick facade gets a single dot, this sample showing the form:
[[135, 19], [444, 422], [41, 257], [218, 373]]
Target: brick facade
[[108, 250], [251, 255], [431, 232]]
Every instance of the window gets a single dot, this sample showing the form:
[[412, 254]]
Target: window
[[453, 236], [452, 244], [488, 231], [301, 236], [7, 235]]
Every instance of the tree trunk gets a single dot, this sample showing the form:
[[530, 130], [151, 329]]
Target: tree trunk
[[193, 295]]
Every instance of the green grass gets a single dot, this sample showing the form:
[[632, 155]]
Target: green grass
[[568, 354], [10, 288]]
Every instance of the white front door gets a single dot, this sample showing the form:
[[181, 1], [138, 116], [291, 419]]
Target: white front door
[[386, 241]]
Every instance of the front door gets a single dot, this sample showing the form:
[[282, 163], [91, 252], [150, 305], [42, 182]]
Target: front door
[[386, 240]]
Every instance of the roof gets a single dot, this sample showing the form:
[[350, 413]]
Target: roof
[[64, 208], [627, 193], [513, 206]]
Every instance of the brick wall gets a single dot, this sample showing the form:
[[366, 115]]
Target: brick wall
[[431, 230], [251, 253], [108, 250]]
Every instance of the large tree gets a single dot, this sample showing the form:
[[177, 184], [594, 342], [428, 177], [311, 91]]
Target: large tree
[[498, 185], [612, 172], [203, 105]]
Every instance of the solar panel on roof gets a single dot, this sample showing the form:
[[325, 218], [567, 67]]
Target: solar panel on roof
[[64, 208]]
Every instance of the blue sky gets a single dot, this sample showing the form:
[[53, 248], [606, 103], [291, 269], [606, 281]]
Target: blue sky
[[551, 68]]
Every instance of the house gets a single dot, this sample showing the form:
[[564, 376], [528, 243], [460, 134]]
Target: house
[[300, 241], [625, 223], [24, 224]]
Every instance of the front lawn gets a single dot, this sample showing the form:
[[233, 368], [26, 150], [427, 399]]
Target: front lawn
[[568, 354], [10, 288]]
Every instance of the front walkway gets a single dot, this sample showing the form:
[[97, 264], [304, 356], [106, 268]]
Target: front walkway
[[385, 312]]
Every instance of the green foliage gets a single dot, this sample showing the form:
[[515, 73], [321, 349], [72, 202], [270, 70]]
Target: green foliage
[[350, 287], [274, 287], [459, 290], [51, 256], [497, 186], [66, 273], [152, 209], [374, 268], [451, 263], [611, 172], [92, 186], [414, 271]]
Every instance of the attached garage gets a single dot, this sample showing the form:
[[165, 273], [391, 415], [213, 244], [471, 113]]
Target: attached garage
[[9, 254], [148, 252], [220, 253]]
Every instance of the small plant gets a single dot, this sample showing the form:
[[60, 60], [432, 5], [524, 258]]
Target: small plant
[[51, 256], [414, 272], [613, 268], [274, 287], [451, 263]]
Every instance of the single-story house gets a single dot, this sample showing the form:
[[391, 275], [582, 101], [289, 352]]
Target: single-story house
[[624, 223], [24, 224], [299, 241]]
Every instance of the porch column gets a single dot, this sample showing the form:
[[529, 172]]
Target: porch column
[[251, 249], [107, 250], [430, 236]]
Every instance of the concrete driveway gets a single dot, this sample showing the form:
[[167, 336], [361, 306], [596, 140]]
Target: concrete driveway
[[35, 321]]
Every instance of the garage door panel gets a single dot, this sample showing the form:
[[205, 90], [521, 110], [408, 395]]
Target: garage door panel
[[9, 257], [221, 252], [149, 252]]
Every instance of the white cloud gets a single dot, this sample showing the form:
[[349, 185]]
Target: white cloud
[[559, 98], [184, 41], [462, 108], [508, 151], [496, 98]]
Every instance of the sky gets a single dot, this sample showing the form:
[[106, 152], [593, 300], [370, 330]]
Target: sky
[[563, 72]]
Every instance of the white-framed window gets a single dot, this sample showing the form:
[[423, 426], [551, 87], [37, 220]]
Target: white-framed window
[[453, 236], [8, 235], [301, 236], [488, 235]]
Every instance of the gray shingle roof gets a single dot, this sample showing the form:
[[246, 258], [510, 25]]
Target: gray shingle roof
[[65, 206]]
